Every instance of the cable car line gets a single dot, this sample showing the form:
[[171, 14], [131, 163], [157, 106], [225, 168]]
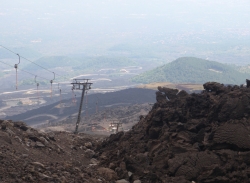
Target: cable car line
[[8, 49], [16, 66], [51, 81], [24, 71], [30, 61], [37, 85], [60, 94]]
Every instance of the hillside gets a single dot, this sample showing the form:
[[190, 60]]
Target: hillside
[[87, 64], [56, 112], [102, 62], [28, 52], [53, 62], [193, 70], [188, 138], [244, 69]]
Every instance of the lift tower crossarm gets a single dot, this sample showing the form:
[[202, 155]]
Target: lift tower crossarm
[[80, 84]]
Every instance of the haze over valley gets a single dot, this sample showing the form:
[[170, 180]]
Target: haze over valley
[[118, 46], [125, 91]]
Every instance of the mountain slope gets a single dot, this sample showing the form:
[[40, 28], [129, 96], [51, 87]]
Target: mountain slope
[[53, 62], [87, 64], [100, 62], [54, 112], [193, 70], [245, 69]]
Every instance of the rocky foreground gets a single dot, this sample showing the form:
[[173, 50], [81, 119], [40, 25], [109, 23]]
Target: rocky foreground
[[27, 155], [184, 138], [198, 137]]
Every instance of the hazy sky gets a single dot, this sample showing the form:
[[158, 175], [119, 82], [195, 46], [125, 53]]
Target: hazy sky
[[50, 24]]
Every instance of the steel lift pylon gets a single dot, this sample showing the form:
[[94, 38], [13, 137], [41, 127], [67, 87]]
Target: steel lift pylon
[[81, 84]]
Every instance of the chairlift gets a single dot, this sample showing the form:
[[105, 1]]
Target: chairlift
[[51, 81], [37, 85], [72, 94], [60, 95], [16, 66]]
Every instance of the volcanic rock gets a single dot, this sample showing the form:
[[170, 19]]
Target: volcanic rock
[[122, 181], [107, 174], [248, 83], [32, 156], [185, 138], [201, 137], [137, 181]]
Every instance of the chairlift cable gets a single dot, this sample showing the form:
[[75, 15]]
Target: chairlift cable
[[75, 98], [60, 95], [31, 61], [72, 94], [25, 58], [16, 66], [8, 49], [25, 71], [51, 81], [37, 85]]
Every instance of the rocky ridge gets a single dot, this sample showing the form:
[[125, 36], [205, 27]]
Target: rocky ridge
[[186, 138]]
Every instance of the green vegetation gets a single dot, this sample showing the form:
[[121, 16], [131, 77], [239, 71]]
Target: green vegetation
[[193, 70]]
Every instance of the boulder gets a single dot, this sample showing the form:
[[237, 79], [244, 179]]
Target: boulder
[[122, 181], [107, 174]]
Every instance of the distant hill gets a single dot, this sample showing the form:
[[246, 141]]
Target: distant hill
[[193, 70], [100, 62], [23, 51], [53, 62], [87, 64], [245, 69]]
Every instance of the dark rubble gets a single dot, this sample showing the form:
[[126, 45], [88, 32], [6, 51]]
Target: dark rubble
[[28, 155], [186, 138]]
